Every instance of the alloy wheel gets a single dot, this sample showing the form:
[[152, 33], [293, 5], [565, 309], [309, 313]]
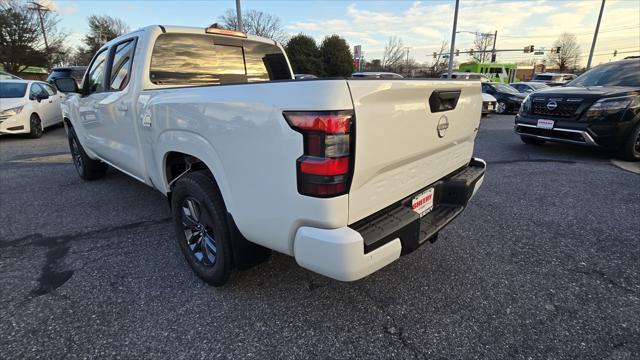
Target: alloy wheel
[[198, 232], [502, 107], [636, 147]]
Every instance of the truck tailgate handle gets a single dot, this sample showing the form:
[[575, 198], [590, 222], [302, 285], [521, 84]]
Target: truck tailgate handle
[[443, 100]]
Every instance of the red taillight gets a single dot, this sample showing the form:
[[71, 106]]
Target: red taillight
[[321, 166], [324, 169]]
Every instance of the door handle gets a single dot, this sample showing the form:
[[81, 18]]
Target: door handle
[[50, 101], [122, 108]]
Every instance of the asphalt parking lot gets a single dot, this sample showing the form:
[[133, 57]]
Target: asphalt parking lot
[[544, 264]]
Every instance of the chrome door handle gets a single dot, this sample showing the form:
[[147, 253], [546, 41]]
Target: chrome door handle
[[122, 108]]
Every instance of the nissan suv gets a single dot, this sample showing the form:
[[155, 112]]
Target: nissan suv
[[599, 108]]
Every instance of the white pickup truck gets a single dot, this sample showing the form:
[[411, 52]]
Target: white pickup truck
[[345, 175]]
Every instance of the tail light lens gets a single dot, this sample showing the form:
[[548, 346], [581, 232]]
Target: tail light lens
[[326, 166]]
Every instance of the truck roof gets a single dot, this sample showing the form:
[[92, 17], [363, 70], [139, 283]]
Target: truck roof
[[188, 30]]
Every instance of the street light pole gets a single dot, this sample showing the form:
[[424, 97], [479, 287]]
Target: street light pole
[[595, 36], [239, 15], [493, 50], [453, 39]]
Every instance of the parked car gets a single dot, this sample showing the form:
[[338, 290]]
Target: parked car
[[7, 76], [466, 76], [526, 87], [599, 108], [489, 104], [75, 72], [28, 107], [376, 75], [304, 76], [553, 79], [252, 167], [509, 99]]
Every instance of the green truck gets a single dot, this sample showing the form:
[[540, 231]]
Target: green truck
[[503, 73]]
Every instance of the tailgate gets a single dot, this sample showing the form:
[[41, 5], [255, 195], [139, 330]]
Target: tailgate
[[399, 149]]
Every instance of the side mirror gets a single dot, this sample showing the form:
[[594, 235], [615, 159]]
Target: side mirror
[[42, 96], [66, 85]]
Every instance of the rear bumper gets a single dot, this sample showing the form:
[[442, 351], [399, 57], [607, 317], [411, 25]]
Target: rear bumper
[[353, 252]]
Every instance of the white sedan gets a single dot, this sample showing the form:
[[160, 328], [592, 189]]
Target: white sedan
[[28, 107]]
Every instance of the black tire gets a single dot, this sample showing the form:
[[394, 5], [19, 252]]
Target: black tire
[[501, 107], [87, 168], [202, 232], [35, 126], [531, 140], [630, 151]]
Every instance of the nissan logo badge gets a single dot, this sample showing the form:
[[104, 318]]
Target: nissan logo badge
[[552, 105], [443, 125]]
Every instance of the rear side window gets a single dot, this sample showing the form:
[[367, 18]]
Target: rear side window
[[187, 59], [121, 65]]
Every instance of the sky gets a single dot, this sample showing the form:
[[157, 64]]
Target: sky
[[422, 25]]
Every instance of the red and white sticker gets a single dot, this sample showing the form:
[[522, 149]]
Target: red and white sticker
[[423, 202], [545, 124]]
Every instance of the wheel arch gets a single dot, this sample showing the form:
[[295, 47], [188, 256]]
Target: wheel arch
[[178, 151]]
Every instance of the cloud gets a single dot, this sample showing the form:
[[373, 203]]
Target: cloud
[[69, 9], [423, 25]]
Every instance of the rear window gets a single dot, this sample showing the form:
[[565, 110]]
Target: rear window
[[65, 73], [188, 59], [10, 90]]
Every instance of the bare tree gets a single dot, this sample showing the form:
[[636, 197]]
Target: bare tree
[[102, 28], [481, 44], [441, 61], [394, 54], [21, 38], [257, 23], [569, 53]]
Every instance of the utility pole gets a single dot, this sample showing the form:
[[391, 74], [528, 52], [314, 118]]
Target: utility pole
[[493, 50], [239, 15], [40, 8], [453, 39], [595, 36]]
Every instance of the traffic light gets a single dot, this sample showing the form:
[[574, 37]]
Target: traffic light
[[615, 52], [526, 49], [558, 50], [470, 52], [493, 57], [435, 54], [530, 48], [457, 52]]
